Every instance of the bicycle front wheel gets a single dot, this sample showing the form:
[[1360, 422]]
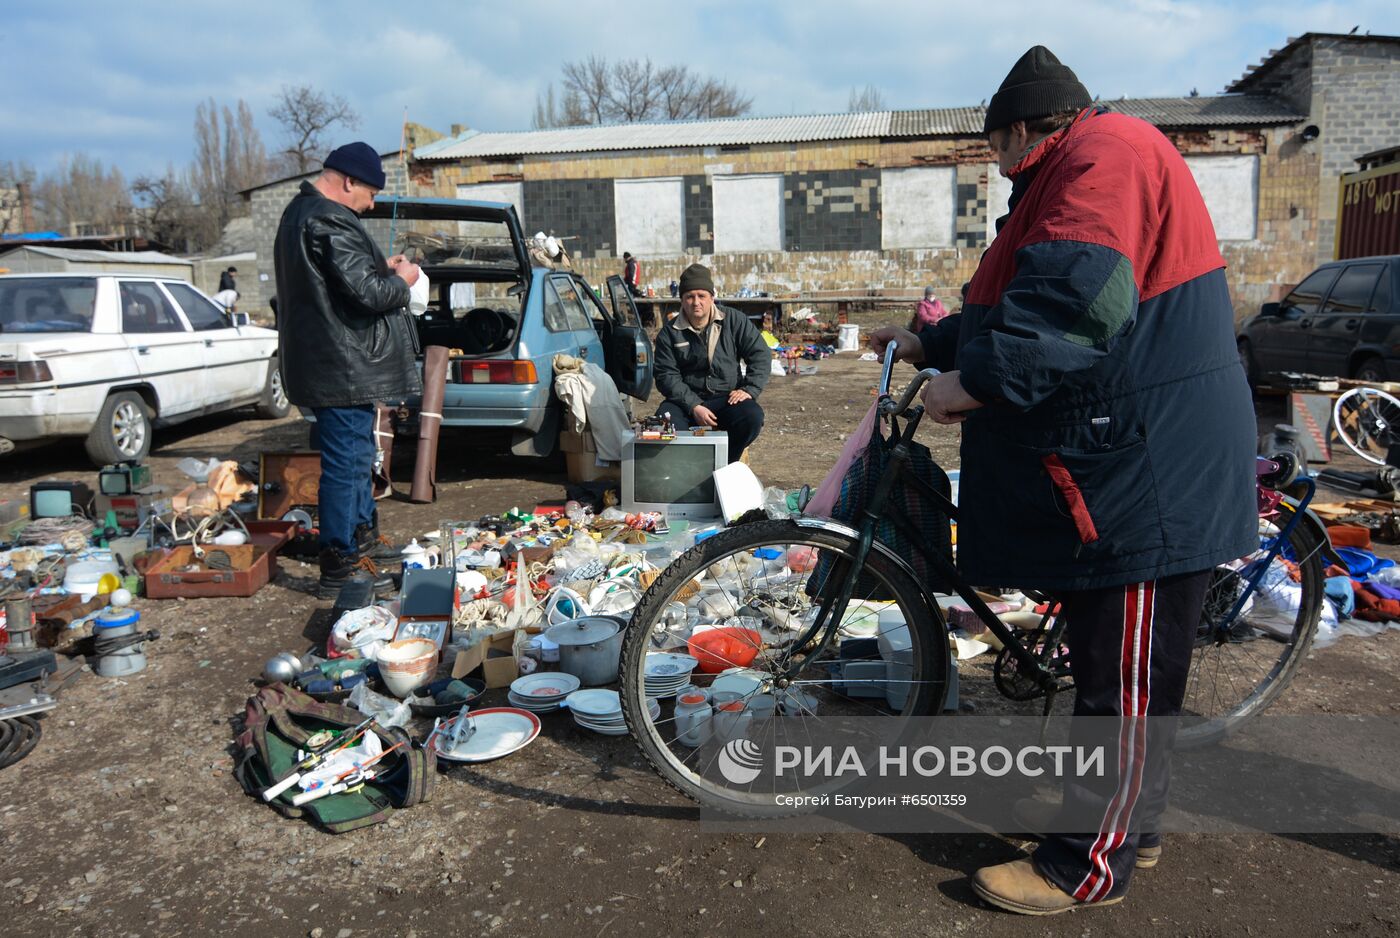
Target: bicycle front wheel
[[1243, 661], [758, 589]]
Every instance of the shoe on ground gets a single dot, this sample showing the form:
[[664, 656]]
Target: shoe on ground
[[1019, 887], [337, 568], [374, 545], [1034, 817]]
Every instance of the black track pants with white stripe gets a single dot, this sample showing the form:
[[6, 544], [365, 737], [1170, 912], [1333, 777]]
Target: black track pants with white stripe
[[1130, 651]]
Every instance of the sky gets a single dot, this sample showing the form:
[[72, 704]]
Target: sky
[[120, 81]]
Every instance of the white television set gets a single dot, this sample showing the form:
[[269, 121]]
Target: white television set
[[675, 477]]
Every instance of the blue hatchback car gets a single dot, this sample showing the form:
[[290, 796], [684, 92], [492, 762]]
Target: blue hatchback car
[[504, 317]]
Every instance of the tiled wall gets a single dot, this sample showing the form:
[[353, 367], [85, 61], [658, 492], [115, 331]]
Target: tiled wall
[[581, 209], [832, 210]]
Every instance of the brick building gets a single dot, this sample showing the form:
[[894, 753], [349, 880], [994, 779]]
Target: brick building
[[896, 200]]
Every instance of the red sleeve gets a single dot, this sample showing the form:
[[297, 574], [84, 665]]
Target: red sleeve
[[1137, 198]]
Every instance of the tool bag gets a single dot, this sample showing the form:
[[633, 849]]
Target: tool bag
[[280, 719], [918, 509]]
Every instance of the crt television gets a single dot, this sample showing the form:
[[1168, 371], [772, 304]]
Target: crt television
[[675, 477]]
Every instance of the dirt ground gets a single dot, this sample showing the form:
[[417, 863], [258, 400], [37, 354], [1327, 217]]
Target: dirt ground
[[126, 821]]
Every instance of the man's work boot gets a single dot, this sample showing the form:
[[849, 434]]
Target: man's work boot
[[1034, 817], [374, 545], [337, 568], [1019, 887]]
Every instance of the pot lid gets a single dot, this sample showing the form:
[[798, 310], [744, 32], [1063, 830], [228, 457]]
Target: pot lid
[[117, 618], [589, 630]]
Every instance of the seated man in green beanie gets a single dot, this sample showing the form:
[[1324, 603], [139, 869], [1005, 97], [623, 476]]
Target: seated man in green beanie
[[697, 365]]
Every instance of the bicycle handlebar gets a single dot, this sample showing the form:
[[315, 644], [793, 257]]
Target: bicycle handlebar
[[889, 405]]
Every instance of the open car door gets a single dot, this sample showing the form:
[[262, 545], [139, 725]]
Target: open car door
[[626, 346]]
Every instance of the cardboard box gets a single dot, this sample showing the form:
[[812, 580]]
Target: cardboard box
[[571, 442], [583, 467], [495, 656]]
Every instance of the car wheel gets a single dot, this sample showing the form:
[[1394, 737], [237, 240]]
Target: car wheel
[[274, 404], [1371, 370], [1251, 370], [122, 431]]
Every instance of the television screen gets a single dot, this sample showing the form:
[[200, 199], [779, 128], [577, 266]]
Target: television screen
[[53, 503], [114, 483], [677, 475]]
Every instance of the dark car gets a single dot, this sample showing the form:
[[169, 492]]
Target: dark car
[[1343, 320]]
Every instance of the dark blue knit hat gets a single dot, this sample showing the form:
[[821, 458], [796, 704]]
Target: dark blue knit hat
[[358, 161], [1037, 86]]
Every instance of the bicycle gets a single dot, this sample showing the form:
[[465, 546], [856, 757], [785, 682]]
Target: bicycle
[[784, 621]]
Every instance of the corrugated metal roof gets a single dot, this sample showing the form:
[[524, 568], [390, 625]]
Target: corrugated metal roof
[[1226, 110], [731, 131], [80, 256], [1232, 110]]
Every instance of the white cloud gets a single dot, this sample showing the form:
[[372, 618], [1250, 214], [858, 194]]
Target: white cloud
[[127, 82]]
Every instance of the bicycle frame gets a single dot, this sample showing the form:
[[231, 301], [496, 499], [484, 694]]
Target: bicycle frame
[[832, 611]]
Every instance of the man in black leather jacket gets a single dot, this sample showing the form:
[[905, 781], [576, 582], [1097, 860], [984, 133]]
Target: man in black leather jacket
[[344, 342]]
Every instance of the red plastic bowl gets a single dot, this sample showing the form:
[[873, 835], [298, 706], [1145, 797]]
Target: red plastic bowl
[[723, 648]]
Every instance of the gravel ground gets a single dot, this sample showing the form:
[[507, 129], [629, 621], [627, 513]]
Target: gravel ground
[[126, 821]]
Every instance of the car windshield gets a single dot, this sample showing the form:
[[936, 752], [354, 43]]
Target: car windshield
[[47, 304]]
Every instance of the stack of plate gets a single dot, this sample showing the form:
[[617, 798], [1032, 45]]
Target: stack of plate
[[667, 673], [543, 692], [601, 711]]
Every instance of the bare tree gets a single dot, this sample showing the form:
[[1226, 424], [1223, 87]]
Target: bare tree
[[305, 115], [81, 197], [229, 157], [868, 98], [591, 81], [165, 210], [596, 91]]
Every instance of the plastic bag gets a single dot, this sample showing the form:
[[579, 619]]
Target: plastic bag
[[823, 501], [418, 295], [364, 631], [385, 710]]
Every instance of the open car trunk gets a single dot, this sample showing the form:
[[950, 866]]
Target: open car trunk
[[475, 257]]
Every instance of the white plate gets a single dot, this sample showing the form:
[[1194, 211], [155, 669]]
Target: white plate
[[546, 685], [499, 732], [741, 681], [619, 730], [662, 665], [538, 706], [595, 702]]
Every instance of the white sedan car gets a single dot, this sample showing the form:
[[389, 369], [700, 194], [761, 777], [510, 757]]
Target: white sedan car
[[109, 357]]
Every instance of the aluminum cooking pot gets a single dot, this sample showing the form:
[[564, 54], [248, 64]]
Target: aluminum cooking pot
[[589, 648]]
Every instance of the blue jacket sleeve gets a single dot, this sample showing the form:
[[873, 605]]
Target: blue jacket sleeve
[[1062, 312], [940, 342]]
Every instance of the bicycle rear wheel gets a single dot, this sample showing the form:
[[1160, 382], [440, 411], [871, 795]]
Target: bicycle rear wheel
[[766, 579], [1242, 663]]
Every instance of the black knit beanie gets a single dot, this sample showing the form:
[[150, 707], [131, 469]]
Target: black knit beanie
[[1037, 86], [697, 277]]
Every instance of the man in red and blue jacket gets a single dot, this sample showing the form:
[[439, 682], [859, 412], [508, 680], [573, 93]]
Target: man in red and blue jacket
[[1108, 439]]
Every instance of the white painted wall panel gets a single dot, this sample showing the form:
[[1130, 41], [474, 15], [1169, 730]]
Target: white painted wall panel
[[512, 192], [650, 216], [748, 213], [998, 195], [1230, 186], [916, 207]]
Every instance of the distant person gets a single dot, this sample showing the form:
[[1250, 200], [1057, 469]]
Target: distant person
[[632, 273], [345, 342], [227, 281], [227, 299], [697, 365], [930, 311]]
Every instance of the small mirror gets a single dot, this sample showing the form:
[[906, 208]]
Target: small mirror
[[241, 319], [1269, 309]]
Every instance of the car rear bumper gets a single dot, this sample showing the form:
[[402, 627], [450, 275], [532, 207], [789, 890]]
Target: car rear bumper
[[29, 415]]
